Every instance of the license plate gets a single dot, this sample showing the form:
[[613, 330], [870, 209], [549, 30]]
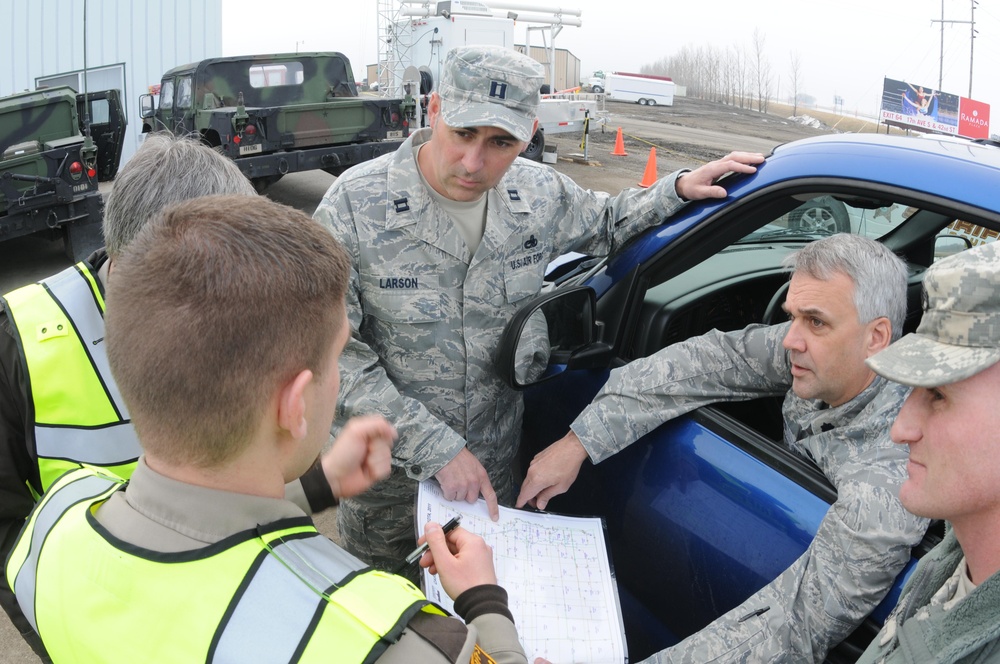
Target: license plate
[[251, 149], [394, 134]]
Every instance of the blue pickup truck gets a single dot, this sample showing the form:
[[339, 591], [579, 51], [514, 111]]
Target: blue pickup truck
[[708, 508]]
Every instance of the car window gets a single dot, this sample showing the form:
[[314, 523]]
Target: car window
[[184, 92], [825, 215], [167, 95], [277, 73]]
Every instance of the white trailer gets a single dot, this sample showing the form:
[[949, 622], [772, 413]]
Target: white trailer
[[644, 90]]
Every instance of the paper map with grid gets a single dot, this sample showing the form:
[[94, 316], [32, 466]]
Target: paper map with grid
[[557, 576]]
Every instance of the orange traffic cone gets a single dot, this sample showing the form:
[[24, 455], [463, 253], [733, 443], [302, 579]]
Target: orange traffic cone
[[619, 150], [649, 177]]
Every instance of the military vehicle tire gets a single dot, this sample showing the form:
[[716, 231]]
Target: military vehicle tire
[[336, 171], [261, 184], [535, 146]]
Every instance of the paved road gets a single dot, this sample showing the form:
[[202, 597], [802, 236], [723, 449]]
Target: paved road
[[680, 144]]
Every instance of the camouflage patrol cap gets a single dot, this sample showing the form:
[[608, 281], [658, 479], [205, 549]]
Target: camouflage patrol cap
[[490, 86], [959, 334]]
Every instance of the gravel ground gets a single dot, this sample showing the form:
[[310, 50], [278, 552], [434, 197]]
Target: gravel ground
[[685, 135]]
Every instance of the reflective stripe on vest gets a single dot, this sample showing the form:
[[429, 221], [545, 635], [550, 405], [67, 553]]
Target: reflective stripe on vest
[[80, 486], [77, 412], [283, 595]]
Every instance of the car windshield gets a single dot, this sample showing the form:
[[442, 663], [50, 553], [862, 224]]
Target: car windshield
[[824, 215]]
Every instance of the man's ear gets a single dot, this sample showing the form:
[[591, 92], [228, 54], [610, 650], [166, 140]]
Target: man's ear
[[880, 335], [292, 405], [433, 109]]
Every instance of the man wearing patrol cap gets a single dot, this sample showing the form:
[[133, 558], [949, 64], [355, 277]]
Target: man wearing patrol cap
[[448, 237], [949, 610]]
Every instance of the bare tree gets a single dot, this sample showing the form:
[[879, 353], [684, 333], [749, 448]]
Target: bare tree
[[761, 71], [795, 79], [734, 76]]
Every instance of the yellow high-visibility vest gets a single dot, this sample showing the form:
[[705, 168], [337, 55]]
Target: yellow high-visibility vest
[[75, 409], [278, 593]]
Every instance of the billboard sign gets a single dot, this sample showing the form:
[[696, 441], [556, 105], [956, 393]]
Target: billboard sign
[[973, 119], [919, 107]]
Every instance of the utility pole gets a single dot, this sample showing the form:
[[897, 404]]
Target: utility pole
[[941, 57], [972, 26], [972, 41]]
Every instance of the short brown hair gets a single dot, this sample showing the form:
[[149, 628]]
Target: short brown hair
[[218, 302]]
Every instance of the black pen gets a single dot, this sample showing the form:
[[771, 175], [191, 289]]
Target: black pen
[[419, 551]]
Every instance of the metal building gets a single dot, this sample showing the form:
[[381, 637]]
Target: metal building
[[129, 44]]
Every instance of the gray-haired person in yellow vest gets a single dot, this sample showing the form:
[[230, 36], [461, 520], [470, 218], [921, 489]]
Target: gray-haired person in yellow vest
[[448, 237], [59, 404], [225, 324]]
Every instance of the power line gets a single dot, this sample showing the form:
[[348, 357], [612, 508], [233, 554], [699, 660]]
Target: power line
[[972, 38]]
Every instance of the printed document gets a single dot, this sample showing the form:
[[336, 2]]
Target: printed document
[[557, 574]]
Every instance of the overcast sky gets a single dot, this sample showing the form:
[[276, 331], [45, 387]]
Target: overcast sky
[[845, 47]]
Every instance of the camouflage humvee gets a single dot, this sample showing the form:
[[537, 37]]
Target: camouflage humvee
[[49, 168], [277, 114]]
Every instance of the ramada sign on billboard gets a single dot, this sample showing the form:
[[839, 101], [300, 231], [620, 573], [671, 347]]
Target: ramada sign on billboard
[[919, 107]]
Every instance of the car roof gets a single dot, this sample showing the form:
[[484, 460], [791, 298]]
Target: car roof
[[965, 172]]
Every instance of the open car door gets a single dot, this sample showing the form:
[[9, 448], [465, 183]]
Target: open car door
[[107, 128]]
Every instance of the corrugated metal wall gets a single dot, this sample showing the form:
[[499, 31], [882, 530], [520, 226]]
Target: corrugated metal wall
[[147, 37], [567, 65]]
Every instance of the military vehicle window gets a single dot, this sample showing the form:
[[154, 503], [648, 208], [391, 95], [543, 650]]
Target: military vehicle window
[[167, 95], [184, 92], [274, 74], [100, 111]]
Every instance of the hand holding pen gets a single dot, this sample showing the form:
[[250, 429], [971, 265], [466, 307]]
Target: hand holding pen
[[418, 552], [462, 559]]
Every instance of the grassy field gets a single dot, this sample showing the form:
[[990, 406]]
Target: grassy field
[[844, 123]]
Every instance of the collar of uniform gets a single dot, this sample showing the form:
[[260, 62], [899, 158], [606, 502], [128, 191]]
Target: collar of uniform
[[174, 512], [406, 199]]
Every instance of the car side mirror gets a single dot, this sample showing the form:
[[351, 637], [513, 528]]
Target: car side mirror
[[551, 334], [147, 107], [946, 245]]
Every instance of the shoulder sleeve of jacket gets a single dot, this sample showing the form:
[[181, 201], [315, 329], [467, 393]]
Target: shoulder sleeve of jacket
[[592, 222], [716, 366], [432, 638], [17, 463], [606, 222]]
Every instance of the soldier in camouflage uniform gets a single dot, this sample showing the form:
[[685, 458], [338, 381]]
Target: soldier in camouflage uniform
[[448, 236], [950, 608], [846, 301]]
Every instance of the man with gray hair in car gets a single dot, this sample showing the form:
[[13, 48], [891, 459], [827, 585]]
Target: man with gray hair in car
[[846, 301]]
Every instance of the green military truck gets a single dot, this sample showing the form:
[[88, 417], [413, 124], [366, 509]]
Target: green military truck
[[277, 114], [50, 167]]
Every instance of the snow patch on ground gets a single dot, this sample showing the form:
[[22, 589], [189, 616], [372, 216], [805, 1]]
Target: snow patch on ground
[[808, 121]]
